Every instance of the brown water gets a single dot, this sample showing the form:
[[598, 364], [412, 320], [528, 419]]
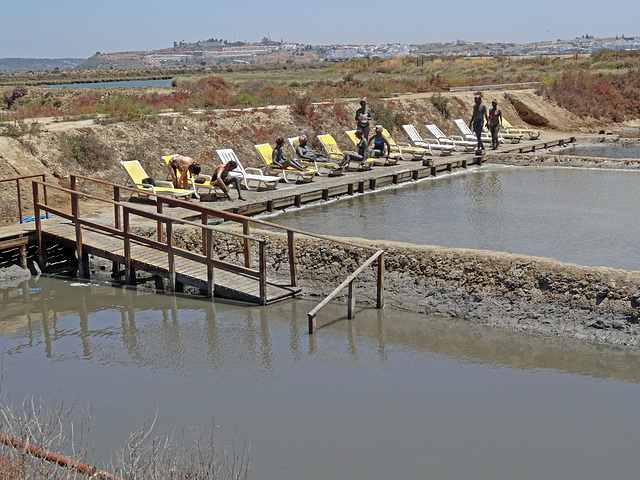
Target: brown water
[[387, 395]]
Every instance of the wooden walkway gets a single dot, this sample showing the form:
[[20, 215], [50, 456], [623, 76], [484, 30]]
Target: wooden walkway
[[227, 284]]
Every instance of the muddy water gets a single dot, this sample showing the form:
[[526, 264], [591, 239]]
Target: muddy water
[[386, 395], [582, 216]]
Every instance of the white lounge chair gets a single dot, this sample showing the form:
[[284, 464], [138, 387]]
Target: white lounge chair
[[468, 134], [417, 140], [456, 140], [251, 177]]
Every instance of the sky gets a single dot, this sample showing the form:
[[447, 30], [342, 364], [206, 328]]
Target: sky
[[79, 29]]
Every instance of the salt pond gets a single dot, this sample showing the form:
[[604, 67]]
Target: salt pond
[[387, 395]]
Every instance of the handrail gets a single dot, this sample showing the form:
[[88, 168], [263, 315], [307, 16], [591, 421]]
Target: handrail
[[159, 244], [350, 281], [204, 212], [17, 180]]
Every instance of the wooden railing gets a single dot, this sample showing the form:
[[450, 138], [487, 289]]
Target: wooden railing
[[204, 213], [164, 242], [17, 180]]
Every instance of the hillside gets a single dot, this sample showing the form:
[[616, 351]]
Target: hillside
[[54, 150]]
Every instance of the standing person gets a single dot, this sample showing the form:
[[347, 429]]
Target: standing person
[[478, 118], [180, 167], [495, 122], [279, 160], [381, 145], [364, 116], [222, 177]]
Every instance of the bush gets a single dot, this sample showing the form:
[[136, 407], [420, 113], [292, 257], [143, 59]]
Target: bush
[[19, 128], [442, 104], [127, 109], [86, 149]]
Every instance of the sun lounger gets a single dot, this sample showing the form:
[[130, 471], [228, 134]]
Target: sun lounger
[[391, 159], [331, 167], [406, 149], [468, 134], [504, 134], [203, 183], [431, 145], [251, 177], [333, 150], [137, 178], [532, 132], [289, 174], [456, 140]]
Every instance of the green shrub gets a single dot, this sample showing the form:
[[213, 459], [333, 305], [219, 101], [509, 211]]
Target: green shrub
[[441, 104], [19, 128], [86, 149], [127, 109]]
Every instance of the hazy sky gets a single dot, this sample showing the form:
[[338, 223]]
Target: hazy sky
[[74, 28]]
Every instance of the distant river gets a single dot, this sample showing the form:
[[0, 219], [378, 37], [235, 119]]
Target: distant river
[[165, 82]]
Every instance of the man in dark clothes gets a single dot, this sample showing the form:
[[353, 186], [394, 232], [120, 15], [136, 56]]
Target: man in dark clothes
[[478, 118]]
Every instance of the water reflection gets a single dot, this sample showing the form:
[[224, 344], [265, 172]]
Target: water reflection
[[111, 326], [386, 395]]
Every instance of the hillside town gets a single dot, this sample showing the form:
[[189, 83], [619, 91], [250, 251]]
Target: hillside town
[[220, 52]]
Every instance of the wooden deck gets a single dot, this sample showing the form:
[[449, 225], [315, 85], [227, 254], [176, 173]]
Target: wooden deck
[[227, 284]]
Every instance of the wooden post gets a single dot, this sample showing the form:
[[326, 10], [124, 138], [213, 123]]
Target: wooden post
[[381, 269], [351, 299], [263, 273], [204, 219], [19, 200], [247, 245], [292, 257], [209, 252], [116, 208], [312, 323], [171, 258], [42, 258], [159, 222], [83, 259], [129, 272]]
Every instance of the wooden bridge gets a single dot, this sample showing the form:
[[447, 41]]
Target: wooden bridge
[[111, 236]]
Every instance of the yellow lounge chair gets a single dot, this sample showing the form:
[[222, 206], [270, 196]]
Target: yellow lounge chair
[[252, 177], [406, 149], [208, 185], [333, 150], [504, 134], [430, 145], [391, 159], [521, 129], [136, 175], [333, 168], [289, 174]]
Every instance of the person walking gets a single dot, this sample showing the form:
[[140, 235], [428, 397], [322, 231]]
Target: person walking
[[495, 122], [478, 117]]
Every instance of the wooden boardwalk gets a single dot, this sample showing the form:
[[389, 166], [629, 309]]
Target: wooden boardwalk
[[227, 284]]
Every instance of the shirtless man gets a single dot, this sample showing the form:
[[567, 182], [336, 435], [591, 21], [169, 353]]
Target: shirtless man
[[478, 118], [222, 177], [180, 167]]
